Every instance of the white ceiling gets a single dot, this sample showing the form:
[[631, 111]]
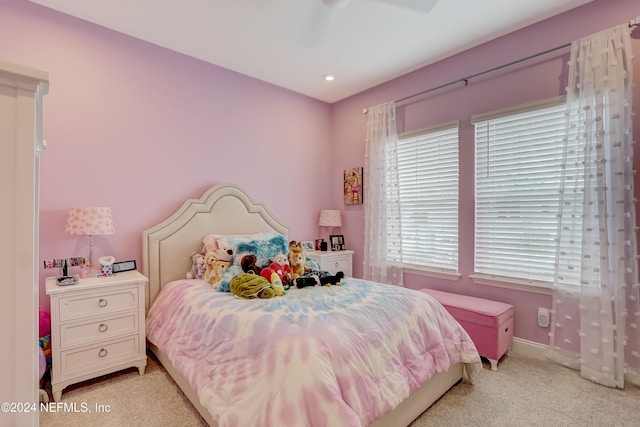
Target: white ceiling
[[365, 43]]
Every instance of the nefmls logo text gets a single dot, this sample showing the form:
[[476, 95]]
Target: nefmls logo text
[[64, 407]]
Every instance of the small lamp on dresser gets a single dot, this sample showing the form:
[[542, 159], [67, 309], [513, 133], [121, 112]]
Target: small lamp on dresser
[[329, 218], [89, 221]]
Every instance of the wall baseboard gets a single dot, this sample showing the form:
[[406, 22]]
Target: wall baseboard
[[532, 349]]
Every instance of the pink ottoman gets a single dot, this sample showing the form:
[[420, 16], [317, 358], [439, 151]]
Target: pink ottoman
[[488, 323]]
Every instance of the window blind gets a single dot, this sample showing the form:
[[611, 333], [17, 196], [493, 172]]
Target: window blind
[[428, 185], [518, 174]]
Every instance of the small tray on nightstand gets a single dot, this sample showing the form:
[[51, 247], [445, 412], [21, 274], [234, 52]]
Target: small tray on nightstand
[[66, 280]]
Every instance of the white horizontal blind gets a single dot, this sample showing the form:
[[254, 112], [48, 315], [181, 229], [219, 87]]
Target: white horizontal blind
[[428, 182], [518, 174]]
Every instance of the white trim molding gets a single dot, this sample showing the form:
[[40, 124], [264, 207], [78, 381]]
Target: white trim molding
[[532, 349]]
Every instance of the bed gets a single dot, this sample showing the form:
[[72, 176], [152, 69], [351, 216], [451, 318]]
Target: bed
[[294, 365]]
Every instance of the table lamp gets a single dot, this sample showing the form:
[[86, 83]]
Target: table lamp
[[89, 221], [329, 218]]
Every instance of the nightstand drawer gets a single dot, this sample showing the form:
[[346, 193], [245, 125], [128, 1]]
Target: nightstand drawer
[[335, 265], [99, 356], [84, 305], [72, 334]]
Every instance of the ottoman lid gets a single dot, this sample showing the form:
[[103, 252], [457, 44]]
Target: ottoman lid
[[473, 309]]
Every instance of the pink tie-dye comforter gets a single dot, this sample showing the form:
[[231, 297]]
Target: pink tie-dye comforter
[[323, 356]]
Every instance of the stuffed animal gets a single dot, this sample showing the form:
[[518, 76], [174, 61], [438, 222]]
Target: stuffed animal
[[218, 269], [297, 260], [209, 259], [315, 277], [329, 279], [304, 281], [248, 285], [223, 253], [248, 264], [198, 266], [280, 266], [276, 283]]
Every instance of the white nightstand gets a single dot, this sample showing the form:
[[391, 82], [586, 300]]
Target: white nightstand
[[97, 327], [334, 261]]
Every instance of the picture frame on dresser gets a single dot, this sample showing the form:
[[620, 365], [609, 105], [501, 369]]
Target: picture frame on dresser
[[307, 245], [337, 242]]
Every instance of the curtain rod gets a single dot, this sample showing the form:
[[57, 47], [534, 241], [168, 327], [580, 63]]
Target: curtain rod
[[466, 79], [632, 23]]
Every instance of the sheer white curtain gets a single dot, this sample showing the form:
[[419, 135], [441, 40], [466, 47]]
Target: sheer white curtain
[[381, 197], [596, 311]]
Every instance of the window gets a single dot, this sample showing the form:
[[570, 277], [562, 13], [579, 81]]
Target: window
[[518, 172], [428, 187]]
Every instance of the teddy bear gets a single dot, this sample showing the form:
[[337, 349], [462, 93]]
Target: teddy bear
[[209, 259], [198, 266], [280, 266], [218, 269], [297, 260]]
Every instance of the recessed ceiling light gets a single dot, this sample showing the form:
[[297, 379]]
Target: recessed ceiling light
[[328, 77]]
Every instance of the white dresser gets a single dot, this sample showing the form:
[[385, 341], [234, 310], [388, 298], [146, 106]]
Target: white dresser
[[97, 327], [334, 261]]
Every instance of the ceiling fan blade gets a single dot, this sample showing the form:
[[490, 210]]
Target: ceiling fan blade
[[317, 24], [424, 6]]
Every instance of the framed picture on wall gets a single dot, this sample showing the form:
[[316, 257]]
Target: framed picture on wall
[[337, 242], [353, 186]]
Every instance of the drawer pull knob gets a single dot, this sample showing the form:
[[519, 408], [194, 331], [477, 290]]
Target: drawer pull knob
[[103, 302], [337, 264], [103, 352], [103, 327]]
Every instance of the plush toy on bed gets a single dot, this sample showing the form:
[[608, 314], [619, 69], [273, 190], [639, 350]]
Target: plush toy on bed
[[248, 264], [249, 285], [215, 268], [317, 277], [209, 258], [198, 266], [297, 260], [218, 269], [223, 253], [280, 266]]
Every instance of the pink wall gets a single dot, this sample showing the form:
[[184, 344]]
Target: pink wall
[[534, 80], [140, 129]]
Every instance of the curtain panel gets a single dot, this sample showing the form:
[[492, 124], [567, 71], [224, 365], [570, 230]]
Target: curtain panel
[[382, 197], [595, 308]]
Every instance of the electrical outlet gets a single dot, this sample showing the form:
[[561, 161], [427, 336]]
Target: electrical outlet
[[543, 317]]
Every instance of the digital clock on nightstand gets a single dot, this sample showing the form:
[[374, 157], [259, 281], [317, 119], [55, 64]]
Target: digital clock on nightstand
[[124, 266]]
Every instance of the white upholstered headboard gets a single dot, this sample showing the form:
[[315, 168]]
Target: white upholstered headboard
[[223, 209]]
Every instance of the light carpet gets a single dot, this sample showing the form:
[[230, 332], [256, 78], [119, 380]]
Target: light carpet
[[523, 392]]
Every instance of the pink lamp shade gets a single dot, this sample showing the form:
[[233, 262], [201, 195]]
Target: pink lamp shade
[[330, 218], [89, 221]]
